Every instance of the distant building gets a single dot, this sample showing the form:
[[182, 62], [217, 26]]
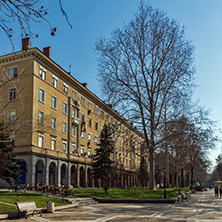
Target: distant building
[[57, 123]]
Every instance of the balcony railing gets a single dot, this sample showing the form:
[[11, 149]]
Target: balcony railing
[[75, 120]]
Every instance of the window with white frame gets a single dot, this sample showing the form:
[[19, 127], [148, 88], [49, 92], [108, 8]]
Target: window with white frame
[[42, 73], [55, 81], [73, 148], [41, 140], [96, 110], [89, 152], [53, 143], [42, 95], [53, 122], [82, 101], [54, 102], [65, 89], [82, 151], [41, 117], [74, 94], [102, 114], [90, 122], [12, 94], [89, 137], [101, 127], [11, 116], [82, 117], [96, 125], [64, 127], [12, 72], [90, 106], [74, 112], [65, 108], [82, 135], [64, 146], [96, 140], [73, 131]]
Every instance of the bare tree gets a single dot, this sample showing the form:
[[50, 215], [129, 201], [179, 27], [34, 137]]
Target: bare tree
[[24, 12], [144, 66]]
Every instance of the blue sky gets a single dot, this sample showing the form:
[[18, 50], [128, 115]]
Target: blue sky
[[92, 19]]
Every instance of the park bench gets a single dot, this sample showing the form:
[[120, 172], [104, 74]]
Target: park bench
[[25, 207], [184, 196]]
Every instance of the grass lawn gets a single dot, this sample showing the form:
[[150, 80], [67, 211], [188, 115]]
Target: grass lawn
[[129, 193], [12, 197]]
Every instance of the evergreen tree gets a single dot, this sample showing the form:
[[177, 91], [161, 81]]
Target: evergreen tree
[[102, 164], [9, 171]]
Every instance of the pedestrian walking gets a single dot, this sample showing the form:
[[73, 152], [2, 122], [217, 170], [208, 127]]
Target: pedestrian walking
[[216, 191], [220, 191]]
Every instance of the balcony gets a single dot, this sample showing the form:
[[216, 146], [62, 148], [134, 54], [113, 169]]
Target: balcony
[[75, 120]]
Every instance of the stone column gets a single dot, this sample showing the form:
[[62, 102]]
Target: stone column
[[68, 181], [78, 174], [58, 173]]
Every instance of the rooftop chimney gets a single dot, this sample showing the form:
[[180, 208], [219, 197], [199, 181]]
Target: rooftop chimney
[[85, 85], [110, 105], [47, 51], [25, 44]]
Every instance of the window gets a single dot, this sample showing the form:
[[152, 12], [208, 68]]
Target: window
[[64, 146], [54, 102], [83, 117], [102, 114], [12, 94], [90, 122], [73, 131], [65, 108], [107, 118], [53, 143], [11, 116], [74, 94], [41, 117], [82, 134], [42, 95], [65, 89], [120, 149], [89, 137], [12, 72], [53, 123], [96, 125], [89, 152], [90, 106], [74, 112], [41, 140], [55, 81], [101, 127], [120, 138], [73, 148], [42, 73], [96, 140], [96, 110], [82, 101], [82, 151], [64, 127]]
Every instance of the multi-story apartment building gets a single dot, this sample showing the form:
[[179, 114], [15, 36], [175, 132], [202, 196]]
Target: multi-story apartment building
[[56, 122]]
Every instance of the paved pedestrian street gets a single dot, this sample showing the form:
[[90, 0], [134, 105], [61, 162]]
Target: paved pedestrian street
[[202, 206]]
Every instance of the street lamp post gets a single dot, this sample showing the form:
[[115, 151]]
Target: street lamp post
[[164, 182]]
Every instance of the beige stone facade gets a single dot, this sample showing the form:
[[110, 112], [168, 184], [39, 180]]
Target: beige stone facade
[[57, 121]]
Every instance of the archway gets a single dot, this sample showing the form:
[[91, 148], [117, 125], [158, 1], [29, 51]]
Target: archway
[[39, 172], [82, 176], [89, 176], [63, 174], [52, 170], [73, 176]]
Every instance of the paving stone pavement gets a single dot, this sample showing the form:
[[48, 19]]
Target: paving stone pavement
[[202, 206]]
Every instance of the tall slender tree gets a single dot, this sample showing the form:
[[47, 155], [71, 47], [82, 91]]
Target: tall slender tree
[[143, 67]]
